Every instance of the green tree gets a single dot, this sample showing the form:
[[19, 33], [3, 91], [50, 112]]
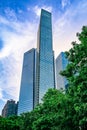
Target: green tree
[[48, 115], [76, 73], [53, 112], [10, 123], [27, 119]]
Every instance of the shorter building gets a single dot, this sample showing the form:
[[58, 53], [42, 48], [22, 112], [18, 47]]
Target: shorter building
[[61, 63], [27, 88], [10, 108]]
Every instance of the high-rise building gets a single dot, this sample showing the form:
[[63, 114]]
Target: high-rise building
[[45, 70], [61, 63], [38, 74], [10, 108], [26, 98]]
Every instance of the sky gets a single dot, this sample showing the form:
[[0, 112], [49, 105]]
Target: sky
[[19, 21]]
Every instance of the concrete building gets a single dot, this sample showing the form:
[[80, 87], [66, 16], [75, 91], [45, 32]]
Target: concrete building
[[10, 108]]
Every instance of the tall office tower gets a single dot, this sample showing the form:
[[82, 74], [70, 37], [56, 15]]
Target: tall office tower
[[26, 98], [61, 63], [10, 108], [45, 71]]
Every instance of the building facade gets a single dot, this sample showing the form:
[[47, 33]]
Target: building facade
[[26, 98], [45, 70], [10, 108], [61, 63]]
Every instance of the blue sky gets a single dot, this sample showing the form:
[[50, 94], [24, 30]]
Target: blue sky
[[19, 20]]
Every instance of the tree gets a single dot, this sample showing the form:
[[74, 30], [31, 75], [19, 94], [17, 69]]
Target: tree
[[27, 119], [10, 123], [76, 73], [48, 115], [53, 112]]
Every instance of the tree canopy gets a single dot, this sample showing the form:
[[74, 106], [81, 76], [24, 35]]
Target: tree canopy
[[76, 73]]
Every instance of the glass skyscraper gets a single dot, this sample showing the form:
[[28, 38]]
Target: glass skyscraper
[[45, 70], [26, 98], [38, 74], [61, 63]]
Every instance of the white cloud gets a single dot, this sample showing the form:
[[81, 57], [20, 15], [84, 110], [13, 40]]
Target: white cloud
[[37, 9], [67, 25], [1, 96], [3, 20], [65, 2], [20, 11], [18, 39], [10, 13]]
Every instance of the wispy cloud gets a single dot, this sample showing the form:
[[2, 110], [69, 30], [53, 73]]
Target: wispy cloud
[[1, 94], [17, 38], [67, 25], [10, 14], [65, 3]]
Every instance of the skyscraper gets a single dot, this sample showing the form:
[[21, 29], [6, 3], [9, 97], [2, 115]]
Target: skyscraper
[[45, 70], [38, 74], [61, 63], [26, 98]]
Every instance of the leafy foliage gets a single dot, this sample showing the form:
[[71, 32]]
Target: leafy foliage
[[76, 73], [10, 123]]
